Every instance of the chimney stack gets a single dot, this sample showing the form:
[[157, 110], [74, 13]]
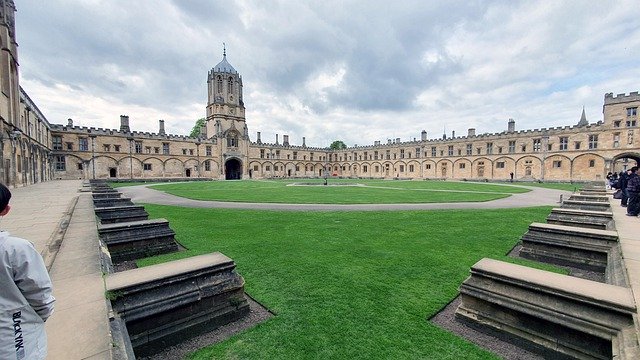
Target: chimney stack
[[161, 127], [285, 140], [70, 122], [258, 140], [512, 126], [397, 140], [276, 139], [423, 135], [304, 142], [453, 134], [389, 141], [124, 123], [472, 132]]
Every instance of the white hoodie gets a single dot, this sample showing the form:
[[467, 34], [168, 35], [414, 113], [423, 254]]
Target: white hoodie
[[25, 300]]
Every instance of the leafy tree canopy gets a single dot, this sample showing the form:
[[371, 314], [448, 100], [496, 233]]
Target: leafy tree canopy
[[195, 132], [338, 145]]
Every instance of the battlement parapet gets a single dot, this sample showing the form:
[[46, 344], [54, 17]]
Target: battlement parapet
[[610, 99], [92, 131]]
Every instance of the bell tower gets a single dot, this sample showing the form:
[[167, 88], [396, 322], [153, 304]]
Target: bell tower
[[225, 123]]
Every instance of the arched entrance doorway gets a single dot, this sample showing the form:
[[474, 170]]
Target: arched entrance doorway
[[624, 161], [233, 169]]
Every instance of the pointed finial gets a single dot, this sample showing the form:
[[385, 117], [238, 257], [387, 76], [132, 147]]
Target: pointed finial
[[224, 49]]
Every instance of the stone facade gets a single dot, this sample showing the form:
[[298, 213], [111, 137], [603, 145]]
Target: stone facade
[[33, 150]]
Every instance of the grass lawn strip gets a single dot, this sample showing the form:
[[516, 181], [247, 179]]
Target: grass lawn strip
[[348, 285], [373, 192]]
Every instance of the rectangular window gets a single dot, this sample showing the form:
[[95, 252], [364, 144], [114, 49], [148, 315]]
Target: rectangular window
[[377, 168], [593, 141], [489, 148], [557, 164], [375, 156], [57, 142], [190, 151], [631, 123], [537, 145], [106, 147], [277, 154], [434, 151], [462, 165], [165, 148], [295, 155], [365, 168], [401, 168], [267, 168], [207, 165], [389, 154], [428, 166], [401, 153], [60, 163], [255, 167], [512, 147], [184, 151], [478, 151], [146, 166], [156, 150], [418, 153], [410, 168], [261, 153], [577, 145], [592, 163], [616, 123], [469, 149], [208, 150], [500, 165], [147, 149], [564, 142], [311, 156], [138, 147], [450, 150], [83, 144], [632, 111], [524, 148], [80, 167], [616, 140], [499, 149], [69, 146]]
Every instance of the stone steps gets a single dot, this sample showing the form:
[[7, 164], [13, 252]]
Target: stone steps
[[138, 239], [602, 220], [575, 317], [119, 214]]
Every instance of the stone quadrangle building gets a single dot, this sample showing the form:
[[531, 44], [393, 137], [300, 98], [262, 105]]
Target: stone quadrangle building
[[34, 150]]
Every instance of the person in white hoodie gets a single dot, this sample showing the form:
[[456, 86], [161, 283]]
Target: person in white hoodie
[[26, 299]]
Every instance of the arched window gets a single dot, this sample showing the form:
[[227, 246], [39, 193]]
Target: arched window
[[219, 84], [230, 85]]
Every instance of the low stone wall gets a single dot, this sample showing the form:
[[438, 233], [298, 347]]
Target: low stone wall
[[168, 303], [586, 205], [568, 245], [602, 220], [120, 214], [138, 239], [575, 317], [111, 202]]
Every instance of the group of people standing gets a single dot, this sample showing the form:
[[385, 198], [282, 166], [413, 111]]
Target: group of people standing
[[628, 183]]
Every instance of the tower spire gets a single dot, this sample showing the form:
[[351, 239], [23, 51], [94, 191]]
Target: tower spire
[[224, 49], [583, 119]]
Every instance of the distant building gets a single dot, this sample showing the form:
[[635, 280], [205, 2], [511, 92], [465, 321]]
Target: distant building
[[33, 150]]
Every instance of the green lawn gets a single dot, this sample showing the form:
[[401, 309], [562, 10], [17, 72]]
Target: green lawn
[[371, 191], [348, 285]]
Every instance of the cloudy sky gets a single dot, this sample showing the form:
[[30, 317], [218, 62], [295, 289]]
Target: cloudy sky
[[358, 71]]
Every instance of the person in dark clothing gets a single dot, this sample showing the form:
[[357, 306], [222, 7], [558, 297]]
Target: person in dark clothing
[[633, 191], [622, 185]]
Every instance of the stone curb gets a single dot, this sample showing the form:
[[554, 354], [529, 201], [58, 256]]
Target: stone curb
[[55, 240]]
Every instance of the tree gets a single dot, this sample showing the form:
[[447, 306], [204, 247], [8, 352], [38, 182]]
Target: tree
[[195, 132], [338, 145]]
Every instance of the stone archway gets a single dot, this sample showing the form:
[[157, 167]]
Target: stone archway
[[233, 169], [624, 161]]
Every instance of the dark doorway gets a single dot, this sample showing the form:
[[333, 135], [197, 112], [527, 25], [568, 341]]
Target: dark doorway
[[289, 173], [188, 172], [112, 172], [233, 169]]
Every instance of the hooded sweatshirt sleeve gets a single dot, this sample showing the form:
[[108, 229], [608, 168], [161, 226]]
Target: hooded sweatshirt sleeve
[[31, 276]]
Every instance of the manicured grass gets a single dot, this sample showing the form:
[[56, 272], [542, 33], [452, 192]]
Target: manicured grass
[[348, 285], [557, 186], [372, 191]]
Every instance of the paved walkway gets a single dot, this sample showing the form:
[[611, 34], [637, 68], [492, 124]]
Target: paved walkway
[[60, 222], [536, 197]]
